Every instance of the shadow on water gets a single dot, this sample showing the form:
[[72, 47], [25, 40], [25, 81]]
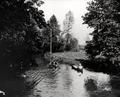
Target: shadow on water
[[13, 86], [65, 82], [11, 81], [95, 91], [60, 82]]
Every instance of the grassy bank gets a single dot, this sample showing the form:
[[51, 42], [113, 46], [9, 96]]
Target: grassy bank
[[80, 57], [70, 57]]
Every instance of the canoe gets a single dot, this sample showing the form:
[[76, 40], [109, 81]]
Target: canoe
[[53, 65], [78, 68]]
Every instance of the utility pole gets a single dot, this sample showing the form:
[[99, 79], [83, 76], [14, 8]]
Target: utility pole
[[50, 45]]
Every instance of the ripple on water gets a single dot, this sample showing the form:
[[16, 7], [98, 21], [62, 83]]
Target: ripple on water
[[65, 82]]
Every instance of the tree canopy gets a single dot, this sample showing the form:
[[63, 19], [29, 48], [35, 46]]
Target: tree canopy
[[68, 23], [54, 30], [21, 30], [70, 42], [104, 17]]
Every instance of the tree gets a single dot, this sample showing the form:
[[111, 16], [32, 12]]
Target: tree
[[53, 23], [21, 29], [54, 28], [68, 23], [104, 17], [74, 44], [35, 31], [67, 28]]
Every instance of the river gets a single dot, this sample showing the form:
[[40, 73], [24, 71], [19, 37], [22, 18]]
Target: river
[[66, 82]]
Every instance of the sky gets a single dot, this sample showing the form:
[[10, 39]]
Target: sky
[[60, 7]]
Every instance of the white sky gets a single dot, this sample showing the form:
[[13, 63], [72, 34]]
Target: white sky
[[60, 7]]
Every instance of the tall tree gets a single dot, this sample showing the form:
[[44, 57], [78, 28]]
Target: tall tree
[[68, 23], [67, 28], [54, 29], [74, 44], [103, 16], [21, 27], [54, 26]]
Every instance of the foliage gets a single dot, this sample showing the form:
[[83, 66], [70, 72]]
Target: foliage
[[74, 44], [68, 22], [103, 16], [70, 43], [21, 29], [53, 23], [54, 30]]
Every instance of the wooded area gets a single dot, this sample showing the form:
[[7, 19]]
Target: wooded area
[[24, 32], [104, 17]]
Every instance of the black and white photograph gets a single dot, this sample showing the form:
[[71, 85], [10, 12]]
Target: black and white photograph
[[59, 48]]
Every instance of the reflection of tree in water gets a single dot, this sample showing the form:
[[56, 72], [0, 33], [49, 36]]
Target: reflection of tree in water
[[51, 77], [94, 91], [115, 84], [66, 77], [90, 85]]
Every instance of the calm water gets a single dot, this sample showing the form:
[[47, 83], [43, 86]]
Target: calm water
[[63, 82]]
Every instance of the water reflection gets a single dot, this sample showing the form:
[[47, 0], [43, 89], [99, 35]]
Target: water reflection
[[62, 82], [65, 82]]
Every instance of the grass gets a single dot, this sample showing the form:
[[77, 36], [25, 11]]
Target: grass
[[70, 57], [74, 58]]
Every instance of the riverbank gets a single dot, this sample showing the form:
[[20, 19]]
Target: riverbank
[[72, 58], [12, 86], [64, 82]]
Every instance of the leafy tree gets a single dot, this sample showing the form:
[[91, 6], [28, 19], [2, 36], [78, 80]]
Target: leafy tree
[[67, 28], [67, 41], [21, 29], [68, 23], [35, 32], [53, 23], [104, 17], [74, 44], [54, 28]]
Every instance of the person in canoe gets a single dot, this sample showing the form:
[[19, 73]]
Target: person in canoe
[[78, 68], [53, 64]]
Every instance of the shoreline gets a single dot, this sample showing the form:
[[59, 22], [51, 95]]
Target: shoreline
[[72, 58]]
